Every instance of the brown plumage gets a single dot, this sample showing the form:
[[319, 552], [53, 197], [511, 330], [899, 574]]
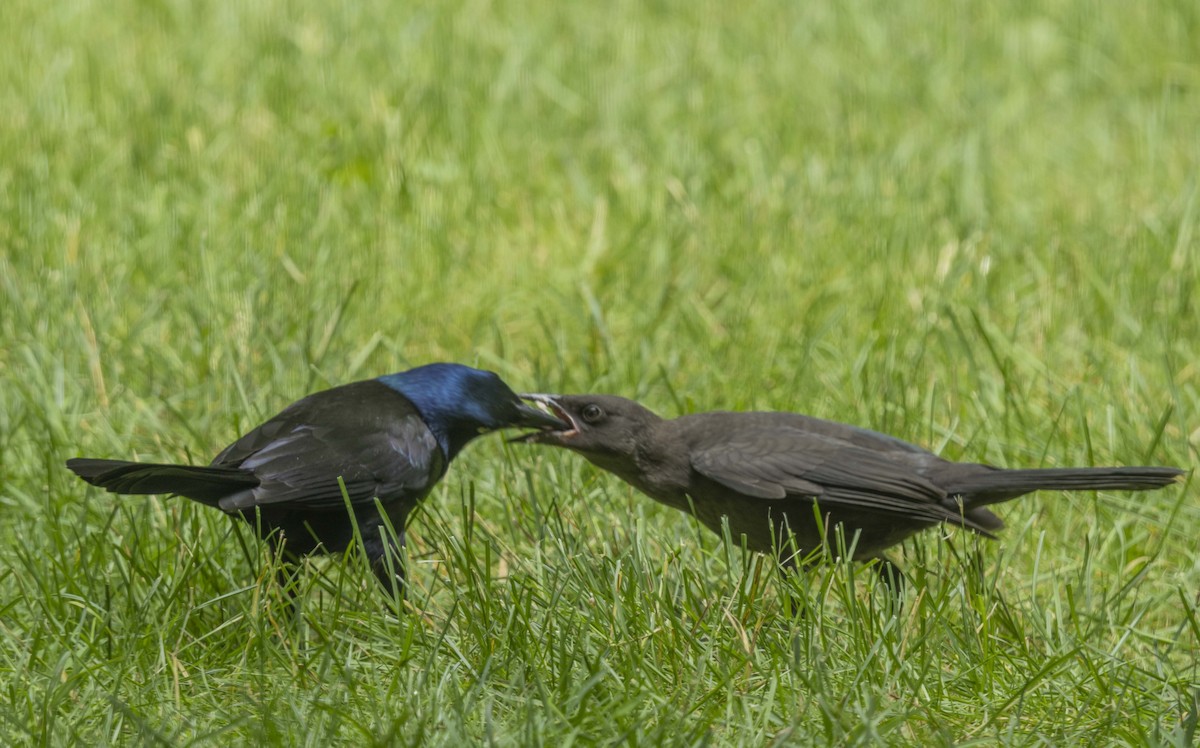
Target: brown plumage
[[765, 472]]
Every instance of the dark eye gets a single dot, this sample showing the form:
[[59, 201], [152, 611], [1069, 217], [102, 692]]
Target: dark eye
[[592, 413]]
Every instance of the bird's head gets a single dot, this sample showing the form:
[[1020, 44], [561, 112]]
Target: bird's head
[[602, 427], [459, 403]]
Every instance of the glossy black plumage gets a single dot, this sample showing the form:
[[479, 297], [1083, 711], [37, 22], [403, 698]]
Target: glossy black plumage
[[766, 471], [389, 440]]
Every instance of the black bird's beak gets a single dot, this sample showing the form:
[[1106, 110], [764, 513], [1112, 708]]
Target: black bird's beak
[[551, 419], [543, 419]]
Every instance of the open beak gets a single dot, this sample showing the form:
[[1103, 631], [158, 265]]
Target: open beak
[[552, 419], [543, 419]]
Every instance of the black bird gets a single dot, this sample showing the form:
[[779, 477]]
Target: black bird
[[771, 473], [389, 439]]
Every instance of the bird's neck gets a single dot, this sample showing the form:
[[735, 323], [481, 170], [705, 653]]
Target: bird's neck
[[658, 467], [452, 436], [440, 408]]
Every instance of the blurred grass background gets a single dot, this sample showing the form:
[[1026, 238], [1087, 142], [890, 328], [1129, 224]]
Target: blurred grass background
[[972, 226]]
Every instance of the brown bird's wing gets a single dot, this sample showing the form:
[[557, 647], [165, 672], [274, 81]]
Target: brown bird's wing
[[775, 461]]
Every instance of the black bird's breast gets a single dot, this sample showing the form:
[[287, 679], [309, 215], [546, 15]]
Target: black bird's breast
[[366, 434]]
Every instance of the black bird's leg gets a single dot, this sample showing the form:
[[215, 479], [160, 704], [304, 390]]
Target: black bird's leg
[[286, 570], [285, 573], [790, 567], [285, 577], [388, 564], [893, 578]]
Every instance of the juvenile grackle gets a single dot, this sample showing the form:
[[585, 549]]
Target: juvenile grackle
[[388, 439], [766, 472]]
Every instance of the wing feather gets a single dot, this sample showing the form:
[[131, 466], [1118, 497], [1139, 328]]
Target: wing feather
[[371, 438], [779, 461]]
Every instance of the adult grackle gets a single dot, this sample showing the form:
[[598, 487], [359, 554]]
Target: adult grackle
[[388, 439], [774, 473]]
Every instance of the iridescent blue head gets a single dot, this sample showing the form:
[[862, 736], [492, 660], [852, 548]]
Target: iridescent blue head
[[459, 403]]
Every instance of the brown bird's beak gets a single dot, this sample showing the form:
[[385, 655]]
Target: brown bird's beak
[[553, 420]]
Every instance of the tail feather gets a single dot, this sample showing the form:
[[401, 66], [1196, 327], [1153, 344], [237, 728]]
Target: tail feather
[[208, 485], [995, 485]]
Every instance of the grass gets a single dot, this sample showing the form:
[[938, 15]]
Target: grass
[[970, 225]]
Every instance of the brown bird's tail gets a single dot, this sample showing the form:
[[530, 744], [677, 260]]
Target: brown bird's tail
[[208, 485], [991, 486]]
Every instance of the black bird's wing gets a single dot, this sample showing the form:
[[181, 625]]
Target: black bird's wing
[[365, 433], [770, 458]]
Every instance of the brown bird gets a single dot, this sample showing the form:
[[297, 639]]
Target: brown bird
[[771, 474]]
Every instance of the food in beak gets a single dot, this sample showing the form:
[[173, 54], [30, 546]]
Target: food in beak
[[548, 404]]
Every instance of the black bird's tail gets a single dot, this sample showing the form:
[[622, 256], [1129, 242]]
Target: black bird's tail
[[992, 486], [208, 485]]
